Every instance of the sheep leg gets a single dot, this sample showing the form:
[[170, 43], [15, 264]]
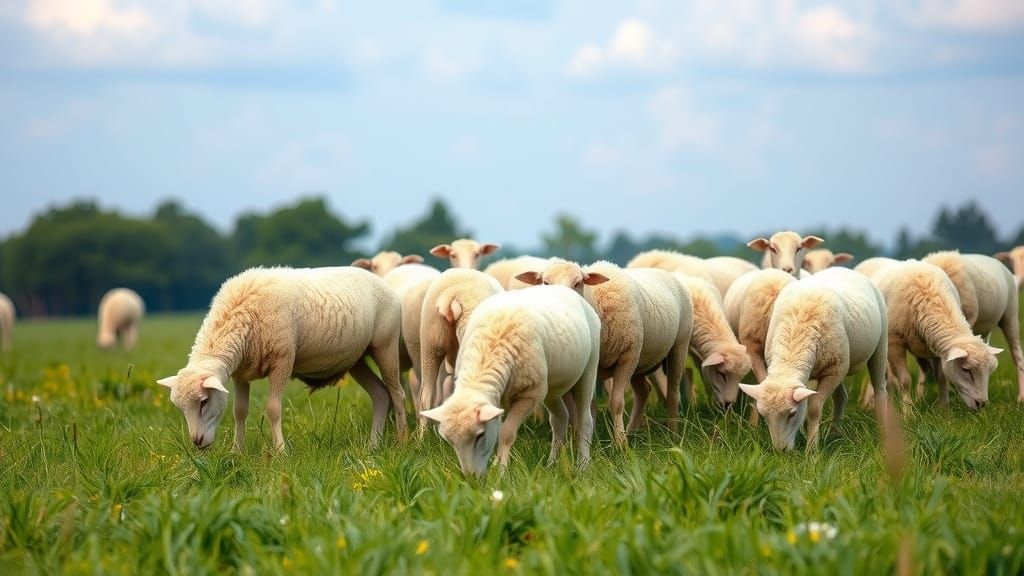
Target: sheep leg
[[241, 413], [897, 361], [877, 372], [583, 395], [659, 382], [131, 335], [943, 398], [378, 396], [689, 391], [674, 366], [839, 399], [278, 378], [514, 417], [617, 400], [387, 359], [558, 416], [429, 386], [826, 386], [757, 366], [570, 405], [641, 392], [1010, 325]]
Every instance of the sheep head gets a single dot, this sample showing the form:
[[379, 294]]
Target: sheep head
[[386, 261], [822, 258], [786, 250], [783, 406], [464, 253], [722, 371], [968, 365], [472, 430], [201, 396], [563, 273]]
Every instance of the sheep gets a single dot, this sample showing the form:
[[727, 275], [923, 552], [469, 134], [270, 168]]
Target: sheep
[[726, 269], [521, 348], [120, 313], [1015, 258], [6, 322], [988, 298], [646, 320], [673, 262], [447, 307], [410, 283], [785, 250], [818, 260], [315, 324], [872, 265], [386, 261], [464, 253], [925, 319], [821, 329], [748, 308], [506, 270]]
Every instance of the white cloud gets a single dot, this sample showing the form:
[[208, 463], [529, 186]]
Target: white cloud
[[680, 125], [85, 17], [967, 15], [831, 39], [633, 46]]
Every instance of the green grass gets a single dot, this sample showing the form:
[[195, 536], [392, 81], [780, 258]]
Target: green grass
[[99, 477]]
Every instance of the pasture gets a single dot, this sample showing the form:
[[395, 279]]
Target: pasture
[[98, 476]]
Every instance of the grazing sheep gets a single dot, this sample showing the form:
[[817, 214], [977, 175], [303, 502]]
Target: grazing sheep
[[6, 322], [872, 265], [464, 253], [785, 250], [410, 283], [748, 308], [673, 262], [726, 269], [713, 346], [120, 313], [314, 324], [646, 321], [386, 261], [988, 298], [925, 319], [447, 307], [822, 328], [1015, 258], [822, 258], [521, 348], [505, 271]]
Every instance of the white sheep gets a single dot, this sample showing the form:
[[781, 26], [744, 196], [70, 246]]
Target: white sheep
[[822, 258], [6, 322], [872, 265], [386, 261], [988, 298], [120, 313], [646, 320], [521, 348], [673, 262], [925, 319], [314, 324], [506, 270], [785, 250], [726, 269], [444, 314], [464, 253], [410, 283], [821, 329], [1015, 258], [748, 308]]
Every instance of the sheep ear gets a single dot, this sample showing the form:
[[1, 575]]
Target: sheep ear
[[361, 263], [759, 244], [170, 381], [412, 259], [592, 278], [713, 360], [1004, 256], [531, 278], [843, 257], [487, 412], [489, 249], [753, 390], [436, 414], [441, 250], [800, 394], [810, 241], [994, 351], [214, 383], [453, 312], [956, 352]]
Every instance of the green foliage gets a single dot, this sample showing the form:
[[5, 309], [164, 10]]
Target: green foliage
[[437, 226], [570, 240]]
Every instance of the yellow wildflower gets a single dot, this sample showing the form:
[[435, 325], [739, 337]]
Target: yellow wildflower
[[511, 563], [814, 535], [341, 543], [286, 562], [766, 550], [791, 537], [422, 548]]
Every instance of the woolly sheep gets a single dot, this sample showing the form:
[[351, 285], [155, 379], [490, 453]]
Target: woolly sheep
[[726, 269], [1015, 258], [748, 308], [785, 250], [646, 321], [410, 283], [521, 348], [447, 307], [120, 314], [925, 319], [673, 262], [315, 324], [386, 261], [821, 329], [506, 270], [6, 322], [988, 298], [822, 258], [872, 265], [464, 253]]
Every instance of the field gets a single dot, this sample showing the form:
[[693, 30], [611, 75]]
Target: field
[[98, 476]]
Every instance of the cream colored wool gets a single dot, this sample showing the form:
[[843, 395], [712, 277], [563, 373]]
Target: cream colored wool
[[505, 271], [386, 261], [120, 314], [410, 283], [1015, 258], [672, 261], [748, 308], [464, 253], [727, 269], [822, 258], [785, 250], [872, 265], [6, 322]]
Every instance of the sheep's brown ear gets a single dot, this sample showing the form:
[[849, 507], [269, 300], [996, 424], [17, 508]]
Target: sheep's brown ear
[[843, 257], [810, 241], [489, 249], [800, 394], [759, 244], [441, 250], [170, 381], [487, 412], [1004, 256], [411, 259], [531, 278], [362, 263], [592, 278]]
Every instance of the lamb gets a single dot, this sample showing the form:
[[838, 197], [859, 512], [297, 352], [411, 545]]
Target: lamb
[[464, 253], [748, 308], [822, 258], [785, 250], [447, 307], [120, 313], [506, 270], [988, 298], [925, 319], [521, 348], [386, 261], [646, 320], [410, 283], [872, 265], [1015, 258], [315, 324], [6, 322], [821, 329]]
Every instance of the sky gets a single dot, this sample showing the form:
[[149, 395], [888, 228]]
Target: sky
[[709, 117]]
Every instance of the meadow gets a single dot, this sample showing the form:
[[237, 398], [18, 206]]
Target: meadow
[[98, 476]]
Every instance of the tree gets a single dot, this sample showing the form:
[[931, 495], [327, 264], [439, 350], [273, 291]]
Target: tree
[[852, 242], [570, 241], [196, 258], [437, 226], [966, 229]]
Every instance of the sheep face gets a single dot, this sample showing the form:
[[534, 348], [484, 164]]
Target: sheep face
[[967, 366], [563, 273], [786, 250], [464, 253], [818, 260], [722, 372], [201, 396], [471, 429], [784, 408], [385, 262]]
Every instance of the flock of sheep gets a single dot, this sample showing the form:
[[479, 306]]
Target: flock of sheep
[[483, 350]]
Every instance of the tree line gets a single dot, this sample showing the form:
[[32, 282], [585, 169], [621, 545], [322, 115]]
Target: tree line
[[70, 255]]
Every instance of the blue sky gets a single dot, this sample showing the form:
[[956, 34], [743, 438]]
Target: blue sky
[[732, 116]]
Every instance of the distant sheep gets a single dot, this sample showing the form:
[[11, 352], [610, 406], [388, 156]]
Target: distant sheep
[[785, 250], [822, 258], [314, 324], [1015, 258], [872, 265], [464, 253], [521, 348], [410, 283], [120, 314], [506, 270], [672, 261], [386, 261], [6, 322], [726, 269]]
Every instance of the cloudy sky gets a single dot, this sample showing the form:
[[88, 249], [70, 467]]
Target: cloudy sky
[[731, 116]]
